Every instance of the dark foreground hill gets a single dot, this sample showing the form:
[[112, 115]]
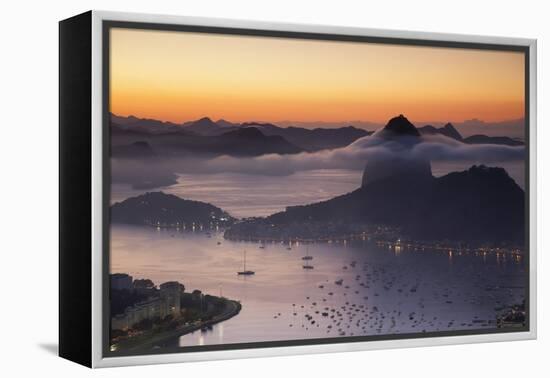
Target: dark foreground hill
[[158, 208], [479, 205]]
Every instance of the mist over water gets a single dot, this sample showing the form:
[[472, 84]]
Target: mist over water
[[356, 287], [244, 195], [253, 195], [445, 153]]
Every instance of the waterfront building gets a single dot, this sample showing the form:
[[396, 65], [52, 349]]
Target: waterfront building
[[170, 292], [196, 295], [166, 302], [149, 309]]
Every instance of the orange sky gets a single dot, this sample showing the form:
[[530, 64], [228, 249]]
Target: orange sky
[[181, 76]]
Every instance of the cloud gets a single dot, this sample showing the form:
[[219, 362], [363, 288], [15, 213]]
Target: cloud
[[141, 174], [441, 148], [355, 156], [435, 148]]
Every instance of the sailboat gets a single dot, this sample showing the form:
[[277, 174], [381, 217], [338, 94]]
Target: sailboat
[[245, 272], [307, 256]]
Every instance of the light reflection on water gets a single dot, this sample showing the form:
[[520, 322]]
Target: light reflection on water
[[247, 195], [385, 291]]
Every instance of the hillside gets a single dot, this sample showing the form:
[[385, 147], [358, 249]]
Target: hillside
[[479, 205], [158, 208]]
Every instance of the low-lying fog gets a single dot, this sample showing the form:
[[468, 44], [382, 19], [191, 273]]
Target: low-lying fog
[[259, 186]]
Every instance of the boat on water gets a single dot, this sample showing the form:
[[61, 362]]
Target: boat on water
[[307, 256], [307, 266], [245, 272]]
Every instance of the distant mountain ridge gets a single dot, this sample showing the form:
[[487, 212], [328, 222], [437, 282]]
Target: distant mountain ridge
[[400, 126], [448, 130], [128, 137], [451, 132], [304, 139], [514, 128], [145, 125], [313, 139], [484, 139], [206, 127]]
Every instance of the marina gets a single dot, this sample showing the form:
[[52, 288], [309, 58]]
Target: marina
[[357, 288]]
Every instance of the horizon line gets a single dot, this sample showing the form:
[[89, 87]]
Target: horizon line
[[349, 122]]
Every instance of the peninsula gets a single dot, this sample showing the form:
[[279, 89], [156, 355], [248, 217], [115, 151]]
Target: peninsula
[[144, 316]]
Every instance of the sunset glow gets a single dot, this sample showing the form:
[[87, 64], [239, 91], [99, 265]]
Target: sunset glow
[[182, 76]]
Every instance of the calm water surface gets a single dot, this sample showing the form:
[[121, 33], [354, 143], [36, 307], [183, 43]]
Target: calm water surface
[[383, 291], [248, 195]]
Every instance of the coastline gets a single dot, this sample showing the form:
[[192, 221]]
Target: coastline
[[149, 340]]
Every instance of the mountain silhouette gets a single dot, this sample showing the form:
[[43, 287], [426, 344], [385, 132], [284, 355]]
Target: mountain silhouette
[[400, 162], [182, 140], [245, 132], [313, 139], [206, 127], [448, 130], [251, 141], [134, 124], [226, 124], [398, 126], [125, 130], [206, 137], [484, 139], [514, 128], [479, 205], [158, 208]]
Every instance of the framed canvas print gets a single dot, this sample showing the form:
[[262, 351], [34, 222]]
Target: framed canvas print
[[232, 189]]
